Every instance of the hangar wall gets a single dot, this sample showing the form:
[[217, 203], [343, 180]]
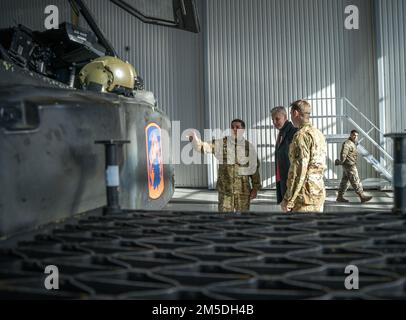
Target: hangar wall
[[256, 54], [391, 55], [265, 53]]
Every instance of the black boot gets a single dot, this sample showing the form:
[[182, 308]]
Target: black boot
[[364, 198], [340, 198]]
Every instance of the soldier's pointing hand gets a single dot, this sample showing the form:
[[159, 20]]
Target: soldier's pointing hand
[[192, 136]]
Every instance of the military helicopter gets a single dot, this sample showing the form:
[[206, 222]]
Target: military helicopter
[[61, 91]]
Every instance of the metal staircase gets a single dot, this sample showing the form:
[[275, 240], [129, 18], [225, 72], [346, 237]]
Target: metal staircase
[[336, 128], [375, 163]]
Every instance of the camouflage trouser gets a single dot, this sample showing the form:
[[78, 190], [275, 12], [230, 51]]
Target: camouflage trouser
[[350, 176], [309, 208], [310, 205], [234, 202]]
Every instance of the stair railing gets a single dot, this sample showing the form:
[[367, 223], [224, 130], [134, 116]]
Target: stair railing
[[342, 116]]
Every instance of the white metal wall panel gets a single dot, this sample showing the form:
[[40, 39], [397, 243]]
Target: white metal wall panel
[[259, 54], [265, 53], [391, 35]]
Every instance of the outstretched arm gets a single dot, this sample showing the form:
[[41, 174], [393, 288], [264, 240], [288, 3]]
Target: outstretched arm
[[201, 146]]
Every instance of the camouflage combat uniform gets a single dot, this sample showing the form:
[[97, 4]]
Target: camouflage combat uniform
[[234, 188], [349, 158], [305, 187]]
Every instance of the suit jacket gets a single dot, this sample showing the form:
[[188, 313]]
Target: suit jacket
[[282, 156]]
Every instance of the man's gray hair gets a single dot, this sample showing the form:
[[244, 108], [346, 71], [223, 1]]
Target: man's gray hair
[[277, 110]]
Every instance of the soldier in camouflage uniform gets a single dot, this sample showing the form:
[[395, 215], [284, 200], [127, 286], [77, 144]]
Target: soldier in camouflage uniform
[[238, 176], [307, 154], [348, 159]]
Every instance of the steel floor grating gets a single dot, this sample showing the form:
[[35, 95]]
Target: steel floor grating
[[184, 255]]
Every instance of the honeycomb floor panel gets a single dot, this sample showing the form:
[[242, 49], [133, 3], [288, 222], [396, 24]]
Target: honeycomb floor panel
[[208, 256]]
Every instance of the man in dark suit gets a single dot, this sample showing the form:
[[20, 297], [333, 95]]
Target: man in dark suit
[[285, 137]]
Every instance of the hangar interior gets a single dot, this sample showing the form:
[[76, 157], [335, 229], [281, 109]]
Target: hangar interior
[[253, 55], [249, 56]]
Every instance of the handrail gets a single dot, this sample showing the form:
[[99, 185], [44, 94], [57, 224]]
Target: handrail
[[364, 116], [344, 114], [351, 105], [370, 139], [341, 116], [365, 134], [327, 117]]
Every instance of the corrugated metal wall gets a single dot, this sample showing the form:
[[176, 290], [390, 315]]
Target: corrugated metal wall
[[255, 54], [264, 53], [391, 55]]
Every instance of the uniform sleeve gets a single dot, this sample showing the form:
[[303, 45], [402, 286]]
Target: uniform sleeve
[[256, 179], [203, 147], [298, 168], [344, 152]]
